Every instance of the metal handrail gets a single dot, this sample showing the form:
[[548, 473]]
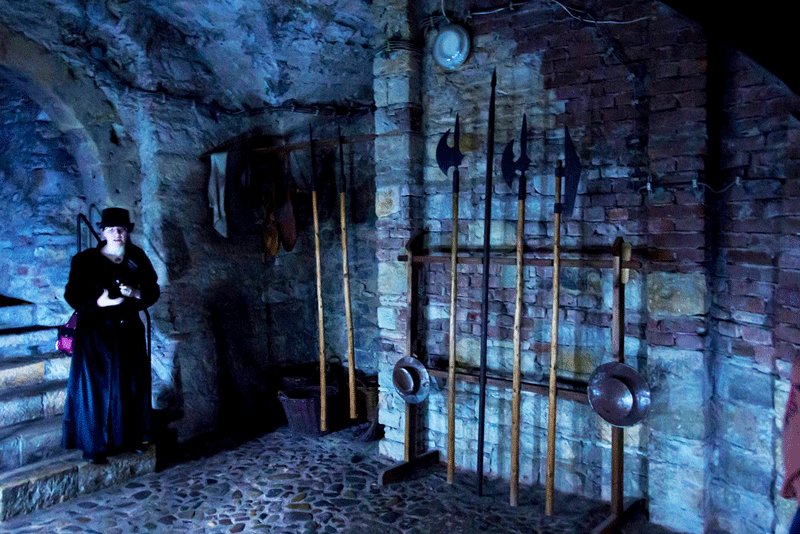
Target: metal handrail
[[82, 219]]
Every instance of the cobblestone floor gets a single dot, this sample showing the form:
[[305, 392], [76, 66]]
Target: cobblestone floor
[[283, 482]]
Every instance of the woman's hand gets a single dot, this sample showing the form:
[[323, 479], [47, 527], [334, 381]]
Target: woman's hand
[[104, 301], [127, 291]]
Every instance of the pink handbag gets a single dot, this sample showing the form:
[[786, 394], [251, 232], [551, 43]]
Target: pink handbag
[[65, 334]]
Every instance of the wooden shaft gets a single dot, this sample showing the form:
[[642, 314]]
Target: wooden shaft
[[351, 358], [487, 230], [409, 444], [617, 467], [551, 412], [469, 259], [618, 350], [451, 366], [566, 391], [323, 397], [517, 377], [410, 450]]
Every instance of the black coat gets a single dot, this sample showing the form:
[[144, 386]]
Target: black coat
[[108, 393]]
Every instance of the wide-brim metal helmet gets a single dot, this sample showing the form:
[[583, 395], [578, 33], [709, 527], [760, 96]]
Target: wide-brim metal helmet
[[619, 394], [411, 379]]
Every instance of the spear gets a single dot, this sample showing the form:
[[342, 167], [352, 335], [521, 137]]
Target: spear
[[487, 230]]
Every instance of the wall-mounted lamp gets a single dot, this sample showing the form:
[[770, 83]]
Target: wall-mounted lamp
[[451, 47]]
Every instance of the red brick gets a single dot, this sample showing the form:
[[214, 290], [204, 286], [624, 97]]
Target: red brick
[[670, 240], [749, 257], [691, 342], [742, 348], [789, 278], [788, 333], [788, 297], [686, 325], [756, 336], [655, 226]]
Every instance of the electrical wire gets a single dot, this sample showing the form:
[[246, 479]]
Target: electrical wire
[[737, 181], [392, 45], [695, 183], [570, 11], [491, 11], [592, 20]]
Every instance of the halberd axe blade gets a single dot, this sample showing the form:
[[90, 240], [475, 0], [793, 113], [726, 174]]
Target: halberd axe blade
[[511, 167], [447, 156]]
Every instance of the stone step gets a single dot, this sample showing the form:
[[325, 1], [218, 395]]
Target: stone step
[[24, 371], [30, 441], [27, 340], [16, 315], [54, 480], [27, 403]]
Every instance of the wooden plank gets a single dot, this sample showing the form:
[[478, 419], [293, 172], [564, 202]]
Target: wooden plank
[[401, 471], [563, 391], [613, 523], [510, 260]]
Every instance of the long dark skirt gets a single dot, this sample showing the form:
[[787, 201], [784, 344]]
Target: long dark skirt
[[108, 394]]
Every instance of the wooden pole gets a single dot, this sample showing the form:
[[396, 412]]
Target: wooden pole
[[323, 400], [618, 349], [551, 412], [351, 357], [410, 450], [517, 374], [323, 392], [451, 366], [619, 514]]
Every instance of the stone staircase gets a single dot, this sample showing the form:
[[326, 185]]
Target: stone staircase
[[35, 472]]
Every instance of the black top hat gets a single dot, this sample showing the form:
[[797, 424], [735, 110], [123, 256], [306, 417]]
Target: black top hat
[[115, 217], [411, 379], [619, 394]]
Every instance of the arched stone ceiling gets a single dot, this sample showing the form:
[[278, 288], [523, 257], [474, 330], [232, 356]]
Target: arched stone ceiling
[[240, 53], [78, 108]]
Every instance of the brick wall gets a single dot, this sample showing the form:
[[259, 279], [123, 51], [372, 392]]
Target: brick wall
[[709, 321]]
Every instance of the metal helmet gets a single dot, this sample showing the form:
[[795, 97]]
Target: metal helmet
[[411, 379], [619, 394]]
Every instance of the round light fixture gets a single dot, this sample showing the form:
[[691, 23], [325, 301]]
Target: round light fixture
[[451, 47]]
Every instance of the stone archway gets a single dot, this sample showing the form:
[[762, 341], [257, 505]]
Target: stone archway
[[98, 164], [106, 158]]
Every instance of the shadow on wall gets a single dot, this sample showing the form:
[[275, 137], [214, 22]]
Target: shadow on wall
[[241, 373], [176, 249]]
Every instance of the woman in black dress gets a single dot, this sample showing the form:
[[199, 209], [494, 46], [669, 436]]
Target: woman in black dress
[[108, 393]]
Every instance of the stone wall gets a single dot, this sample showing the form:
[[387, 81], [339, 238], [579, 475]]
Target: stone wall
[[229, 315], [107, 108], [652, 106], [754, 306], [39, 198], [151, 94]]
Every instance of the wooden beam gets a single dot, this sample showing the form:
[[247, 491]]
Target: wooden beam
[[510, 260], [568, 393]]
